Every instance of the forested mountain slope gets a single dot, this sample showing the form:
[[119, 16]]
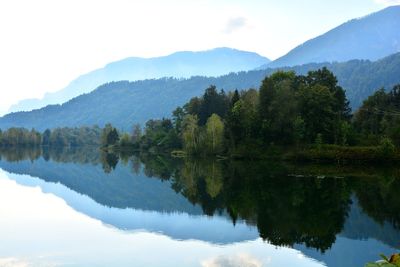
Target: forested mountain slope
[[125, 103], [183, 64], [371, 37]]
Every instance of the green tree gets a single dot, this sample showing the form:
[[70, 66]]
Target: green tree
[[277, 108], [125, 140], [379, 116], [190, 134], [214, 134], [213, 102], [109, 136], [235, 98], [177, 117], [299, 129], [136, 134], [326, 78], [316, 108], [386, 147], [113, 137], [193, 106]]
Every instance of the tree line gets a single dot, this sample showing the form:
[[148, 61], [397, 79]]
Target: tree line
[[296, 112], [59, 137], [288, 110]]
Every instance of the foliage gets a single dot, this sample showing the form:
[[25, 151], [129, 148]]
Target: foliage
[[212, 102], [109, 136], [125, 140], [136, 134], [125, 103], [288, 110], [318, 141], [159, 134], [393, 261], [57, 137], [20, 137], [190, 134], [214, 134], [387, 147], [380, 115]]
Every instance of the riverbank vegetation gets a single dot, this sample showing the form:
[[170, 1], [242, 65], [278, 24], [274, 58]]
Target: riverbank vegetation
[[59, 137], [290, 117]]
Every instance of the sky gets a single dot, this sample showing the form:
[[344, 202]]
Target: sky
[[45, 44]]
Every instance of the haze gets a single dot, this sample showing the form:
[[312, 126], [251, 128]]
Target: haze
[[45, 44]]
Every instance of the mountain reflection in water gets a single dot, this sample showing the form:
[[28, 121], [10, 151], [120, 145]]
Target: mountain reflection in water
[[340, 215]]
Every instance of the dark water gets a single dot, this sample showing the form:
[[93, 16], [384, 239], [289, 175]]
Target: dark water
[[195, 213]]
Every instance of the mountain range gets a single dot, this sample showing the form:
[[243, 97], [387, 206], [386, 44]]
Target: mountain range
[[130, 202], [122, 102], [125, 103], [183, 64], [371, 37]]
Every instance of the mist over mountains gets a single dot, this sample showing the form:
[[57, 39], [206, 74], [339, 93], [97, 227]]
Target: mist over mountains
[[369, 42], [371, 37], [184, 64], [125, 103]]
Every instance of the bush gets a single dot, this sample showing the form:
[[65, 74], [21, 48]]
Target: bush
[[394, 261], [386, 147]]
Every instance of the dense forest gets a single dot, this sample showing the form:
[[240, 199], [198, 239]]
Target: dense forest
[[294, 112], [125, 103], [59, 137], [297, 116]]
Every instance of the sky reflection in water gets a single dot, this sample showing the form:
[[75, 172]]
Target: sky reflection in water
[[85, 208], [40, 229]]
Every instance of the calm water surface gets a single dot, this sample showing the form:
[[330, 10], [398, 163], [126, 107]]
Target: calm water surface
[[85, 208]]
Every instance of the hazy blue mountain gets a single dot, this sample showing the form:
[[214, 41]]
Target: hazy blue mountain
[[371, 37], [184, 64], [125, 103], [119, 188]]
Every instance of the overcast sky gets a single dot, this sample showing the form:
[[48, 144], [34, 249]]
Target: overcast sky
[[44, 44]]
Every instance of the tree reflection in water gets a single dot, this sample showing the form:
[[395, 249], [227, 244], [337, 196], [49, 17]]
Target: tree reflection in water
[[288, 203]]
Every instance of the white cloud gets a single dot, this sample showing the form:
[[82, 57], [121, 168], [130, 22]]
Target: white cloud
[[235, 24], [11, 262], [241, 260]]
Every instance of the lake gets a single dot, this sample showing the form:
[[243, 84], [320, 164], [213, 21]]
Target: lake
[[83, 207]]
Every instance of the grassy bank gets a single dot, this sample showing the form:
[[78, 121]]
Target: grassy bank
[[322, 153], [334, 153]]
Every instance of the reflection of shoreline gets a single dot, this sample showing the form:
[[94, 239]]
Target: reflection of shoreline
[[45, 231], [180, 226], [347, 252], [288, 210], [120, 188], [213, 230]]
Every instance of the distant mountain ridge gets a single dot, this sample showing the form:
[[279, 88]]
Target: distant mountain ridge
[[215, 62], [371, 37], [126, 103]]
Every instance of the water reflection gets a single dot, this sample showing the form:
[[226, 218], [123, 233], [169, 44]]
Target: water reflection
[[40, 229], [339, 215]]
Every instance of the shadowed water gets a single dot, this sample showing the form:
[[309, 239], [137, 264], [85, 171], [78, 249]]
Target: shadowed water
[[80, 207]]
